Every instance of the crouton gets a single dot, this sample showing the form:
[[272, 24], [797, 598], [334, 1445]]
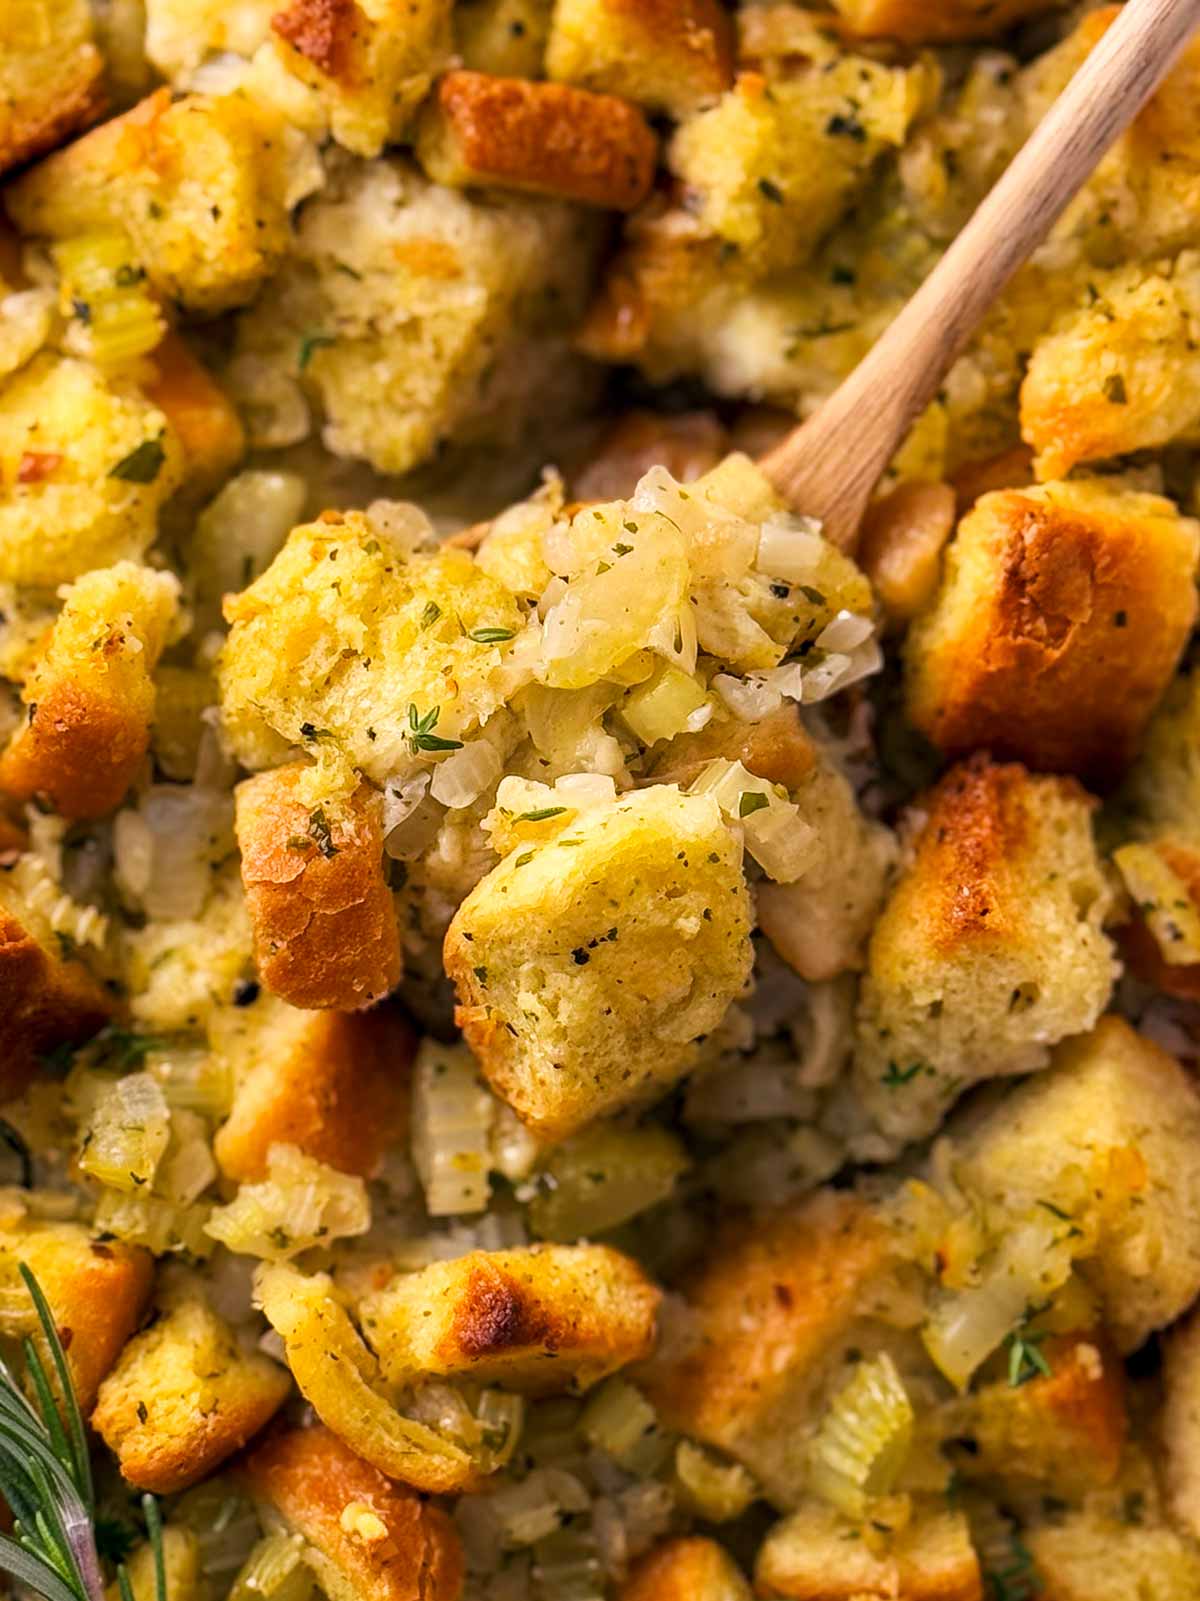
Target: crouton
[[50, 77], [990, 947], [1064, 1429], [541, 138], [1161, 942], [901, 544], [343, 646], [816, 1555], [324, 928], [340, 1377], [1059, 624], [671, 55], [776, 1306], [200, 184], [91, 693], [1108, 1136], [368, 1539], [96, 1292], [506, 38], [47, 997], [335, 1084], [205, 420], [86, 462], [1180, 1423], [688, 446], [183, 1397], [1119, 373], [1111, 1553], [692, 1569], [587, 966], [540, 1320], [181, 1569], [936, 21]]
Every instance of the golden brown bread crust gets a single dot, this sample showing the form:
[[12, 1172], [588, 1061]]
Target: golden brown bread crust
[[1062, 663], [44, 1002], [903, 536], [687, 446], [48, 116], [692, 1569], [78, 749], [198, 409], [655, 270], [1136, 940], [544, 138], [324, 926], [935, 21], [1011, 469], [776, 748], [322, 31], [340, 1092], [310, 1477]]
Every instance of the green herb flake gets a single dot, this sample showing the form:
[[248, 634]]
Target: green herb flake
[[142, 465], [491, 636], [897, 1075], [540, 816], [420, 731], [310, 344], [752, 801], [431, 614], [1115, 391], [318, 827], [1025, 1359]]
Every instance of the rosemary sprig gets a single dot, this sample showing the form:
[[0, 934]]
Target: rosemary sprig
[[46, 1478]]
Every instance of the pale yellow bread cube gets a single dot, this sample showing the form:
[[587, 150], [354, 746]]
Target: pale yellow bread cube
[[668, 55], [505, 37], [817, 1555], [50, 76]]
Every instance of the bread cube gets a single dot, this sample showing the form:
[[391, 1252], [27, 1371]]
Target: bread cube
[[672, 56], [779, 1301], [181, 33], [539, 1320], [368, 1538], [901, 544], [936, 21], [90, 696], [203, 417], [86, 463], [816, 1555], [1180, 1422], [1161, 942], [990, 947], [200, 184], [691, 1569], [1109, 1136], [1102, 1554], [97, 1292], [1059, 624], [540, 138], [324, 928], [587, 966], [50, 76], [333, 1084], [183, 1397], [503, 37], [1120, 372]]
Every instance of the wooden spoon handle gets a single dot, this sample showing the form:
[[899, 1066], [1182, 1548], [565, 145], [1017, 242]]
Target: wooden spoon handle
[[830, 466]]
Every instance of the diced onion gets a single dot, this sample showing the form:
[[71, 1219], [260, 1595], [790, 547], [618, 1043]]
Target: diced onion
[[465, 774], [791, 551], [300, 1203], [846, 631], [274, 1571], [778, 838], [451, 1130], [841, 669], [750, 699], [127, 1133], [167, 848], [864, 1440], [619, 1421]]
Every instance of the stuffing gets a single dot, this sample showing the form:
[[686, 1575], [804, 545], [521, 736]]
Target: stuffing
[[936, 21], [86, 462], [1108, 1137], [588, 965], [989, 948], [901, 544], [687, 445], [693, 1569], [672, 56], [334, 1084], [1180, 1422], [50, 76], [200, 184], [1118, 373], [90, 695], [195, 405], [1058, 625], [771, 1315], [504, 37], [324, 928], [183, 1397], [816, 1555], [97, 1291], [415, 314], [1112, 1548], [540, 1320], [181, 1569], [398, 1547], [539, 138], [345, 635], [181, 970]]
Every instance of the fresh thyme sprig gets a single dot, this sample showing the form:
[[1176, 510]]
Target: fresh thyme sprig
[[46, 1478]]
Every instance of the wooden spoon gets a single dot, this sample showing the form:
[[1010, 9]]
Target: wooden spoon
[[830, 465]]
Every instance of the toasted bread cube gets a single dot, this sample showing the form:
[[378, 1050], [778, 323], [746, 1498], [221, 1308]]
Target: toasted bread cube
[[902, 540], [1065, 1429], [1109, 1135], [1102, 1554], [1059, 624], [200, 185], [692, 1569], [775, 1307], [539, 1320], [97, 1293], [324, 927], [183, 1397], [504, 37], [541, 138], [50, 76], [990, 947], [688, 446], [205, 420], [668, 55], [91, 693], [86, 463], [1180, 1422], [390, 634], [369, 1538], [1161, 942], [777, 747], [1120, 373], [816, 1555], [936, 21], [587, 966], [334, 1084]]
